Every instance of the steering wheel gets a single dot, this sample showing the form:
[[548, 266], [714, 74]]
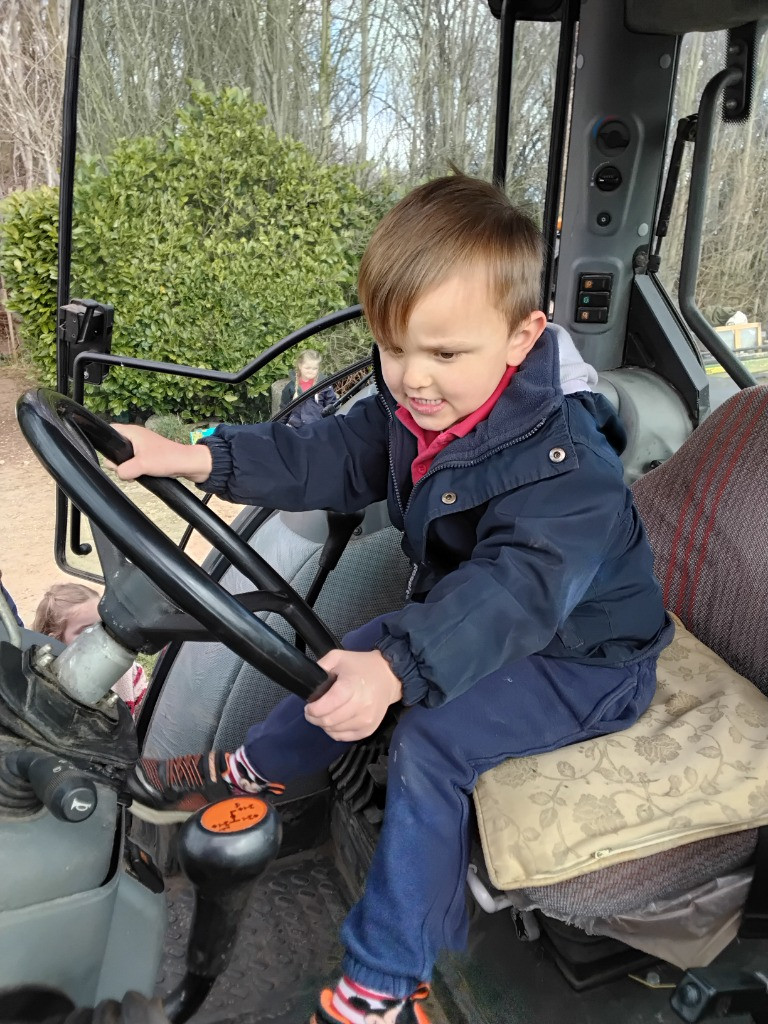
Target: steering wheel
[[63, 434]]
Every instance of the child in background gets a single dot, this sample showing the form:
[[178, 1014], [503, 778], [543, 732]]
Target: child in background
[[304, 377], [69, 608]]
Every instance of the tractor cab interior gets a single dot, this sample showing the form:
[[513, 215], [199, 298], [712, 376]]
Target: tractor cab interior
[[623, 877]]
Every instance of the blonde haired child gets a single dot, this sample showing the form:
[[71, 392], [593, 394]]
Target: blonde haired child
[[65, 610], [305, 375]]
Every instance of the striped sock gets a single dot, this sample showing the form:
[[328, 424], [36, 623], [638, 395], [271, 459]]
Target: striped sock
[[354, 1003], [241, 774]]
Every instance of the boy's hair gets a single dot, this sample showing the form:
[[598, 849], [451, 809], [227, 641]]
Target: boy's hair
[[447, 225], [57, 602]]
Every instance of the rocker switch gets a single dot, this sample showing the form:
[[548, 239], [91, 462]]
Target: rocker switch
[[592, 316], [595, 282], [594, 299]]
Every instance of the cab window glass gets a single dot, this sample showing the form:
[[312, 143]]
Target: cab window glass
[[234, 158], [534, 72], [732, 286]]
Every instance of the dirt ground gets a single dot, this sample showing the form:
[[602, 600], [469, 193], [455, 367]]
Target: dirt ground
[[28, 510]]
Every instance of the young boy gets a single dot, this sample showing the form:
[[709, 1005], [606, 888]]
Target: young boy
[[534, 618]]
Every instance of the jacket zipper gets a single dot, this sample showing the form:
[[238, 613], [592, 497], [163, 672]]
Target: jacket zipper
[[471, 462], [391, 454], [411, 578], [433, 469], [457, 465], [443, 465]]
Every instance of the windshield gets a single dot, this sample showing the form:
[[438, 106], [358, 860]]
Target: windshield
[[233, 159]]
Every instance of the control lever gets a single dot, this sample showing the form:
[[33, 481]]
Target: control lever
[[61, 787], [222, 849]]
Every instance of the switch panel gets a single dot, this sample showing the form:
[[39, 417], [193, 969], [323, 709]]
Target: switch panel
[[594, 298]]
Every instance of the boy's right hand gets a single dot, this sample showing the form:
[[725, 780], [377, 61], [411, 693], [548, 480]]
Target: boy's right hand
[[154, 455]]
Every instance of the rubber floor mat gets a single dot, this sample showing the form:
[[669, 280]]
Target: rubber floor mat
[[287, 948]]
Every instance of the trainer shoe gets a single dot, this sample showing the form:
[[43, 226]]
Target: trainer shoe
[[168, 791], [358, 1009]]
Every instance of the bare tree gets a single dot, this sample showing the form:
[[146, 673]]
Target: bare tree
[[32, 56], [398, 87]]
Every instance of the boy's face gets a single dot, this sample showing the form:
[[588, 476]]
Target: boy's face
[[455, 350]]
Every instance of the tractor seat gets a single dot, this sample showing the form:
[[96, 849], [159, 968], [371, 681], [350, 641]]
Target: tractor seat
[[654, 415], [647, 835]]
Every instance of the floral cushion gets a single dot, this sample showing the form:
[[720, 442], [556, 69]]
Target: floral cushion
[[695, 765]]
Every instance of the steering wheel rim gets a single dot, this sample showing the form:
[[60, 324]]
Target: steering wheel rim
[[56, 428]]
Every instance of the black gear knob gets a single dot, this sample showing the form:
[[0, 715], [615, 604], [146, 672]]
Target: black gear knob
[[222, 850]]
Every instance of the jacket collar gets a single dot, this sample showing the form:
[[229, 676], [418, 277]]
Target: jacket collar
[[532, 395]]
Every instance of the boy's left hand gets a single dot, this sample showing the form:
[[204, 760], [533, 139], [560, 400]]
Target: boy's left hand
[[355, 705]]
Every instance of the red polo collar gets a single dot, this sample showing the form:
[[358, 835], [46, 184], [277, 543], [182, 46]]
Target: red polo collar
[[430, 443]]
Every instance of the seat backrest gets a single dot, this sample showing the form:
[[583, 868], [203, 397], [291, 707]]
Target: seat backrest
[[706, 513]]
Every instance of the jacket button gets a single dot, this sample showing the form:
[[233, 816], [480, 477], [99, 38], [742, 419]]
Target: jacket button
[[448, 498], [557, 455]]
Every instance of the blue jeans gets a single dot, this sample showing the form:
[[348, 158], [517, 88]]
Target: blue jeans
[[414, 901]]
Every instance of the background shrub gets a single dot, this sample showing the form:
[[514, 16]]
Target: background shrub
[[212, 241]]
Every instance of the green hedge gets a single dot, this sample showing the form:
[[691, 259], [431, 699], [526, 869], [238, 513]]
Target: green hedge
[[212, 242]]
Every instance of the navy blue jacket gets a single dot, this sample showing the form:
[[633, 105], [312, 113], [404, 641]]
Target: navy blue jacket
[[523, 534]]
